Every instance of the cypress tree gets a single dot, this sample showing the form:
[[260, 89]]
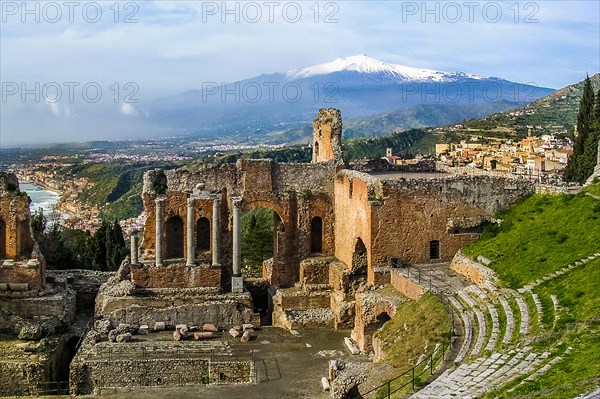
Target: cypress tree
[[578, 168], [99, 247], [115, 247]]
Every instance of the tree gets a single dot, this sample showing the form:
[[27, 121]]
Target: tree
[[257, 237], [116, 249], [98, 244], [581, 165]]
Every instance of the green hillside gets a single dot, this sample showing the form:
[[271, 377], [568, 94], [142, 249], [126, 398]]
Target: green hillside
[[537, 237], [117, 185], [418, 117], [553, 113], [384, 124]]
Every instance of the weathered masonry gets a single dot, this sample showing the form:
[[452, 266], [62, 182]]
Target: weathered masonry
[[337, 231], [33, 308], [22, 267]]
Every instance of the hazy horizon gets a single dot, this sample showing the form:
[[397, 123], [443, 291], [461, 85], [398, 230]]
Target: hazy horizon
[[102, 55]]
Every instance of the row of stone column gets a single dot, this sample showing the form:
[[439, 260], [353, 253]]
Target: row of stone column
[[190, 247]]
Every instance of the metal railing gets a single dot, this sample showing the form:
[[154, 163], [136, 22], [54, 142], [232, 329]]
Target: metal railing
[[410, 378], [424, 279]]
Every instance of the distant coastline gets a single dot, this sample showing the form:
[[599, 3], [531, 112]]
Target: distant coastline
[[41, 197]]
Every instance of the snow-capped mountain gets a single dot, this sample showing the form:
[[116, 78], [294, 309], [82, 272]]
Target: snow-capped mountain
[[368, 65], [360, 86]]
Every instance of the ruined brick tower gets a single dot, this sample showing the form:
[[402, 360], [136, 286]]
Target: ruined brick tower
[[327, 136], [21, 265]]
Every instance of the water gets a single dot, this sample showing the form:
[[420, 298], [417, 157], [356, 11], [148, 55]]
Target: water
[[40, 197]]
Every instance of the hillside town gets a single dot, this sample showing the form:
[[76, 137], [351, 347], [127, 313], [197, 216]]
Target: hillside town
[[542, 157]]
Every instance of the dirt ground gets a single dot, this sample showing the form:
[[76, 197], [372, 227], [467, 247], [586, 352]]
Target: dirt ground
[[288, 366]]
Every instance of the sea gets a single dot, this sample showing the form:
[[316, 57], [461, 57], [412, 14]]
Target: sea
[[40, 197]]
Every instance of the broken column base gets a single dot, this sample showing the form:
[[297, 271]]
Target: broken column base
[[237, 284]]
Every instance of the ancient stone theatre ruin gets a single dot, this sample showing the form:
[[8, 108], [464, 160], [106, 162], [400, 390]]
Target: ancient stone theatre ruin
[[337, 231]]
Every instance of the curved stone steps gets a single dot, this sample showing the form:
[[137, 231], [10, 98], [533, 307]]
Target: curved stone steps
[[559, 272], [467, 320], [486, 304], [501, 296], [481, 323], [538, 307], [557, 308], [524, 310], [491, 344], [475, 379], [510, 320]]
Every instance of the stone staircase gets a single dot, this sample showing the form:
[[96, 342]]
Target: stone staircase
[[498, 324]]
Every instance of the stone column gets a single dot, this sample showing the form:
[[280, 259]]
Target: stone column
[[215, 233], [159, 231], [134, 249], [190, 248], [236, 280]]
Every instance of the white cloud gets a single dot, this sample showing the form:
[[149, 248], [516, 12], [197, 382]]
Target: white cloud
[[128, 110]]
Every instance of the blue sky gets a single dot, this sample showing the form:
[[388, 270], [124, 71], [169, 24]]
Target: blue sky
[[166, 47], [169, 46]]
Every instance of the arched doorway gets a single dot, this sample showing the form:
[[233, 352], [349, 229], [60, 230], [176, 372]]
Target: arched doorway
[[372, 327], [203, 235], [2, 239], [316, 235], [359, 257], [174, 237], [358, 275]]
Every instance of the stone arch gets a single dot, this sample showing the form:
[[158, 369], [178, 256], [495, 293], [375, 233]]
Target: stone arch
[[316, 149], [373, 326], [203, 234], [174, 237], [2, 239], [359, 257], [358, 274], [248, 205], [278, 270], [316, 235]]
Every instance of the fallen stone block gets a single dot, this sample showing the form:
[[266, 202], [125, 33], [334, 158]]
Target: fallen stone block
[[94, 337], [209, 327], [123, 338], [103, 326], [325, 383], [144, 329], [351, 346], [246, 336], [193, 328], [182, 329], [177, 336], [247, 326], [19, 286], [159, 326], [30, 332], [234, 333], [203, 335], [3, 287]]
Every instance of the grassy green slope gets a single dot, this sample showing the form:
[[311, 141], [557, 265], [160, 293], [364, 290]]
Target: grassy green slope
[[540, 235], [117, 186], [553, 112]]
